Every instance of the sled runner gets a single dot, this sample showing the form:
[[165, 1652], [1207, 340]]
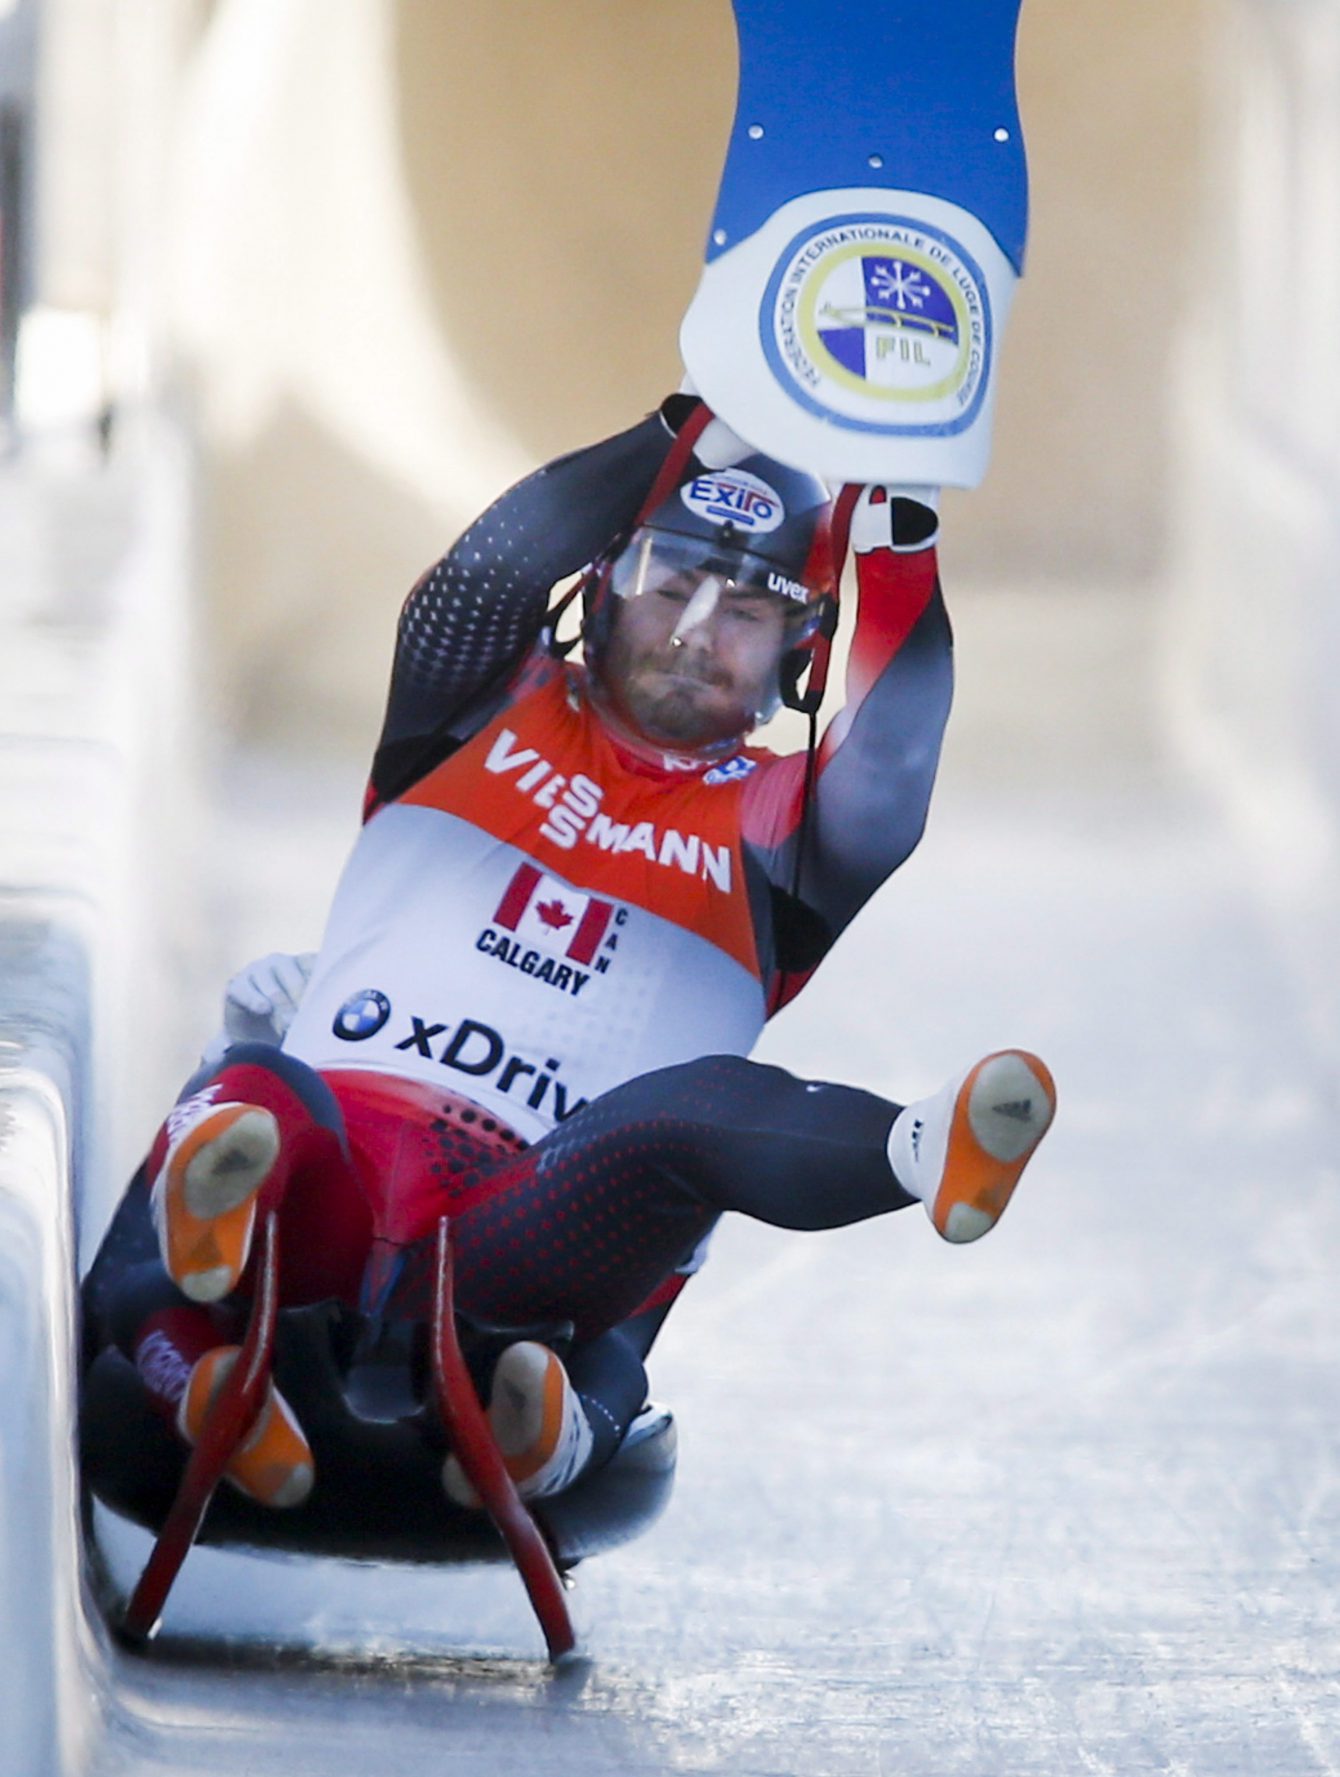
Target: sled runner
[[380, 1404]]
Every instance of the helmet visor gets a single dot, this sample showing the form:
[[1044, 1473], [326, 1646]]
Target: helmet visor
[[704, 582]]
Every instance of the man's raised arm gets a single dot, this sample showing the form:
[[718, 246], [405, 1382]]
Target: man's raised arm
[[877, 761], [475, 615]]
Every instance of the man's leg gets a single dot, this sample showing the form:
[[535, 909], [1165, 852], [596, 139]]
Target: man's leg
[[590, 1221], [260, 1119], [586, 1225], [181, 1348]]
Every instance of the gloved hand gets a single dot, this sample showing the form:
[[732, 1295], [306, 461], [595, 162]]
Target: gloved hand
[[261, 1000], [899, 518], [718, 447]]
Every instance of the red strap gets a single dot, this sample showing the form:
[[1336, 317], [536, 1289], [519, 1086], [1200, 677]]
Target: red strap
[[843, 508], [676, 460], [821, 645], [667, 480]]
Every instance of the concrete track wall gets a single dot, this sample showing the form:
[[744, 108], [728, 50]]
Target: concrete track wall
[[1253, 635], [95, 992], [47, 1701]]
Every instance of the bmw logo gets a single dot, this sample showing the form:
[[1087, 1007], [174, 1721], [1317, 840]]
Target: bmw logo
[[362, 1015]]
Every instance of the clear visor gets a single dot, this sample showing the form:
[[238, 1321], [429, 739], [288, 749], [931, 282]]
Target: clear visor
[[702, 583]]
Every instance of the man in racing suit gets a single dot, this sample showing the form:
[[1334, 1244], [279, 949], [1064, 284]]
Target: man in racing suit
[[577, 896]]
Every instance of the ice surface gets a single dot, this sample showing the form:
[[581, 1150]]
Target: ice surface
[[1066, 1500]]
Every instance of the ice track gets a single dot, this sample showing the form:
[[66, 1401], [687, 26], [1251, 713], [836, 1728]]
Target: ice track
[[1065, 1501]]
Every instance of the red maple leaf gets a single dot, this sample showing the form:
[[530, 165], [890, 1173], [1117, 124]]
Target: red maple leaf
[[554, 914]]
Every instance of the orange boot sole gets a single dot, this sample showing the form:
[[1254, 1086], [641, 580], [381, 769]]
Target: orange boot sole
[[1003, 1109], [204, 1199], [274, 1464]]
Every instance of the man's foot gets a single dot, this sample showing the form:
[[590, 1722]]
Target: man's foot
[[962, 1151], [204, 1197], [273, 1465], [537, 1422]]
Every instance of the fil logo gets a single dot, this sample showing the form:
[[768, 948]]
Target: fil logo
[[543, 911], [880, 323]]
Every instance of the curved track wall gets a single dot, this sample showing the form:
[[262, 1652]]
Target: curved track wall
[[90, 995], [1254, 624]]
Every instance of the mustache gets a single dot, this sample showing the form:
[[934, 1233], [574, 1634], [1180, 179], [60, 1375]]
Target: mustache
[[701, 672]]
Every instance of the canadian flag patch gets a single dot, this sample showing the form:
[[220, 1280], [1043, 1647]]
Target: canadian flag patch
[[545, 912]]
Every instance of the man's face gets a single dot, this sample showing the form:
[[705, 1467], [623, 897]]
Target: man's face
[[694, 659]]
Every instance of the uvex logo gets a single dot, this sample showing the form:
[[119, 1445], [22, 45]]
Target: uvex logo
[[796, 590], [573, 812]]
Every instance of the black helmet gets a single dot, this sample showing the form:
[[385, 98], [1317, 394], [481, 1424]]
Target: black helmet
[[757, 508], [757, 525]]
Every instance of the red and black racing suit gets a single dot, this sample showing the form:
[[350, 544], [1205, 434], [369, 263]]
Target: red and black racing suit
[[549, 957]]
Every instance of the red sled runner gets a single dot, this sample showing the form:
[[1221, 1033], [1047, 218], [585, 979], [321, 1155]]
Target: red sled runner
[[363, 1392]]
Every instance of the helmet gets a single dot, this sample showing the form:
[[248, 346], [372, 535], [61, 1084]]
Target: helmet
[[756, 530]]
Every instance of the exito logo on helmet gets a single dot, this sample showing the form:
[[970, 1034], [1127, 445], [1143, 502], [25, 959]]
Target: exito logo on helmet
[[362, 1015], [756, 507], [734, 497]]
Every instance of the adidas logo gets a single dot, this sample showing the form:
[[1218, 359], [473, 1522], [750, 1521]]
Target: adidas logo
[[917, 1127], [1021, 1109]]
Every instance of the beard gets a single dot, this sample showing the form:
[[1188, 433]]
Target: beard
[[674, 700]]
